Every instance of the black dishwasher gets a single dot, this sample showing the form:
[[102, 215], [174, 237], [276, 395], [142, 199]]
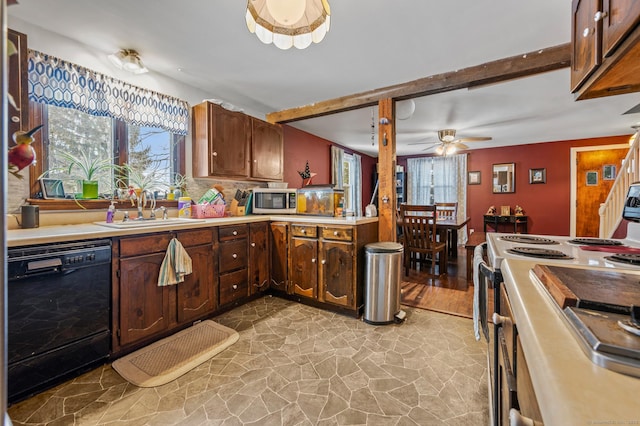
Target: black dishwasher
[[59, 298]]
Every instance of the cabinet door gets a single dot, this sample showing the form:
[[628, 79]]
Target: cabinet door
[[586, 41], [230, 137], [337, 273], [258, 257], [18, 111], [621, 17], [266, 150], [304, 270], [279, 255], [144, 307], [196, 296]]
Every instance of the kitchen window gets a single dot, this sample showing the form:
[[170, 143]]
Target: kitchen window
[[150, 149], [83, 111]]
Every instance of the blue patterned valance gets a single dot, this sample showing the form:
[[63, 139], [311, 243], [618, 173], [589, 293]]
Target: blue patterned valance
[[56, 82]]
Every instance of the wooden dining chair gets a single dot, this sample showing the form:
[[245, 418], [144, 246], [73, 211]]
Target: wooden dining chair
[[449, 212], [419, 238]]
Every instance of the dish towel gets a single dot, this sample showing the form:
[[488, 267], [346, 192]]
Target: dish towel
[[176, 264], [479, 295]]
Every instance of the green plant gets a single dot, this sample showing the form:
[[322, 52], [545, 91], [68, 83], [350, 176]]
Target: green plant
[[83, 167], [149, 179]]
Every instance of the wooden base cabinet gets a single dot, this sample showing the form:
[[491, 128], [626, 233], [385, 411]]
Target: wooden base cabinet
[[279, 247], [258, 257], [234, 265], [143, 310], [326, 263]]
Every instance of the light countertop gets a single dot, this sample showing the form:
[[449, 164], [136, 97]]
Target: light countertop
[[52, 232], [570, 389]]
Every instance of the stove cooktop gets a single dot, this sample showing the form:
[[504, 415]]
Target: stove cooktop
[[625, 258]]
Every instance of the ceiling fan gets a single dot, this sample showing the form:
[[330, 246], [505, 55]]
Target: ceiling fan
[[448, 143]]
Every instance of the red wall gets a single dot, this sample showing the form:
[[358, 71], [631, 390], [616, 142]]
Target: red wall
[[300, 147], [546, 205]]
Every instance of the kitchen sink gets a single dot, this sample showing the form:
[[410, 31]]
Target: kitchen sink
[[146, 223]]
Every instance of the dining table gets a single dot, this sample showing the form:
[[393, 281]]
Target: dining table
[[447, 229]]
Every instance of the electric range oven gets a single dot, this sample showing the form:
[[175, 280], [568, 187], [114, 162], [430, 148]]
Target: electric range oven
[[589, 253]]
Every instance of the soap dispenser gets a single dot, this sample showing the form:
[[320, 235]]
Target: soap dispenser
[[111, 211]]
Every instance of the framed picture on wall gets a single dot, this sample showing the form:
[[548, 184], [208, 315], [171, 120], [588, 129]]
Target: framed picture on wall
[[592, 178], [474, 178], [608, 172], [537, 175]]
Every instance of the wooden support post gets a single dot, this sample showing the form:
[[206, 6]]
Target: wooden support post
[[386, 170]]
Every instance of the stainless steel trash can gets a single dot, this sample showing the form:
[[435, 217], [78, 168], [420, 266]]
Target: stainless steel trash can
[[383, 269]]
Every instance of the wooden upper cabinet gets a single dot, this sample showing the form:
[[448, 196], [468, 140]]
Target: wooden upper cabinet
[[619, 18], [585, 38], [606, 48], [17, 85], [234, 145], [266, 150], [221, 142]]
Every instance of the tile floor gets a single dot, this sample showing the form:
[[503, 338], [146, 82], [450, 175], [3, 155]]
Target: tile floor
[[296, 365]]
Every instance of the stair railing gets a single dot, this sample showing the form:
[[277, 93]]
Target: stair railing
[[611, 210]]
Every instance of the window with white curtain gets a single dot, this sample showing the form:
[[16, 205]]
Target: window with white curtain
[[439, 180]]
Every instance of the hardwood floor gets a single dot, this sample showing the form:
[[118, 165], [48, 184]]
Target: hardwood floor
[[451, 294]]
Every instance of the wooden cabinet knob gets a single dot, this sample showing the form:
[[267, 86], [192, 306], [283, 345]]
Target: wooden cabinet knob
[[599, 16], [235, 286], [253, 244], [215, 154], [323, 261], [234, 255], [235, 233], [335, 233], [313, 260]]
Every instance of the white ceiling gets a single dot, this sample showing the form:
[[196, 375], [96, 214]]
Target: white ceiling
[[371, 44]]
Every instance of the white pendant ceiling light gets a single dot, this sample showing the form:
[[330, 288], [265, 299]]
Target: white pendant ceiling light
[[405, 109], [288, 23], [128, 60]]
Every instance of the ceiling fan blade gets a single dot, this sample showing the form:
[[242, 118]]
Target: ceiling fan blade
[[461, 146], [473, 139], [422, 143], [433, 145]]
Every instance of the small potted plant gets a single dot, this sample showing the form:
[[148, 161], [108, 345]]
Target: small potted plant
[[85, 169]]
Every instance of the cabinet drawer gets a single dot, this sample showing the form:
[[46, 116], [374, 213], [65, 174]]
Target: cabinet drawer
[[232, 255], [136, 246], [232, 232], [298, 230], [508, 326], [195, 238], [337, 233], [233, 286]]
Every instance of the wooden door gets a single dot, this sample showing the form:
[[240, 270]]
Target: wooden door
[[258, 257], [589, 195], [304, 267], [230, 137], [336, 273], [622, 16], [266, 150], [144, 307], [196, 296], [279, 255], [585, 41]]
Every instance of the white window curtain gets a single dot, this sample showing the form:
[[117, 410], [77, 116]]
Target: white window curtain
[[439, 180], [337, 158], [54, 81], [357, 183]]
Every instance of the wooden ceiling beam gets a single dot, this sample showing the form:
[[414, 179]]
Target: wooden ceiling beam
[[523, 65]]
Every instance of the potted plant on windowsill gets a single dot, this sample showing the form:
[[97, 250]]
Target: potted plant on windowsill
[[85, 169]]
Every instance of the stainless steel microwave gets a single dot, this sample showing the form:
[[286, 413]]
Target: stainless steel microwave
[[274, 200]]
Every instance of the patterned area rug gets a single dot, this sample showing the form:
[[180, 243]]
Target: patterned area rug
[[173, 356]]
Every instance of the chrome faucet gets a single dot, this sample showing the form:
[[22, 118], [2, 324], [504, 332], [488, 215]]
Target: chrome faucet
[[165, 215]]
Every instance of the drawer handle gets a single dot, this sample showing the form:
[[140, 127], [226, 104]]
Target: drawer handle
[[517, 419], [313, 260], [335, 233], [253, 244], [235, 232], [499, 319], [235, 286], [235, 256], [323, 261], [303, 231]]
